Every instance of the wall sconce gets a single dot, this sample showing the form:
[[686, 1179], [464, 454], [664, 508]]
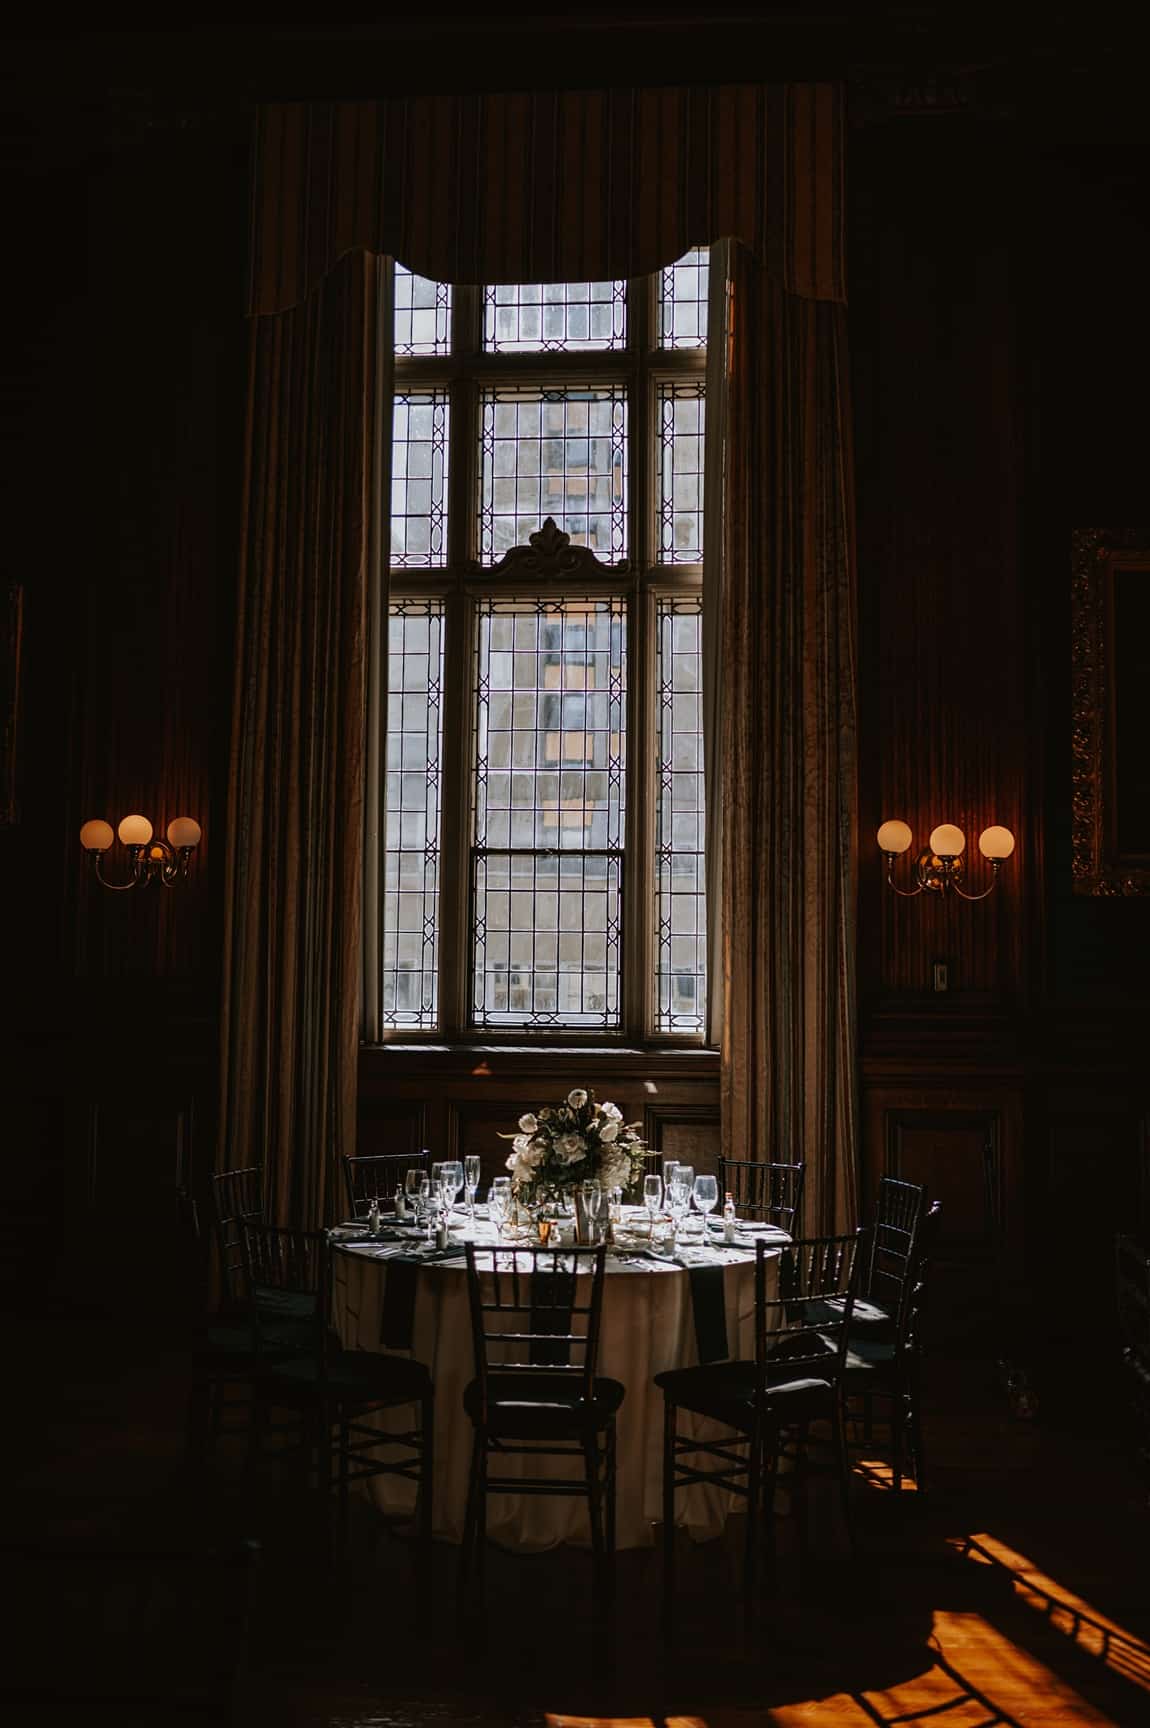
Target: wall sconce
[[940, 868], [149, 859]]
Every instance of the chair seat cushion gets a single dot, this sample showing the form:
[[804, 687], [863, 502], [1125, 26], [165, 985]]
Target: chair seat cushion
[[868, 1320], [351, 1377], [726, 1392], [542, 1406], [231, 1342], [869, 1363]]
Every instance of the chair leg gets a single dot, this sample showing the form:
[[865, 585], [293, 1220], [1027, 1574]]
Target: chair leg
[[426, 1465], [595, 1508], [916, 1444], [897, 1416], [611, 1462], [471, 1517], [344, 1480], [843, 1461], [669, 1413], [754, 1515]]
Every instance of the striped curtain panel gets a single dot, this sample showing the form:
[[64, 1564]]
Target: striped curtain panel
[[295, 789], [549, 186], [788, 743]]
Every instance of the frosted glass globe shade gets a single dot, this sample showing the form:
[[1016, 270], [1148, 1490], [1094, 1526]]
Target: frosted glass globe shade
[[947, 841], [135, 830], [96, 836], [996, 842], [184, 832], [894, 837]]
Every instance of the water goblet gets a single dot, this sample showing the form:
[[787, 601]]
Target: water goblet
[[652, 1199], [706, 1197]]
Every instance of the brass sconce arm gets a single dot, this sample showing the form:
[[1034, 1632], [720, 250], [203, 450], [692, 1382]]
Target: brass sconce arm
[[149, 859], [940, 868]]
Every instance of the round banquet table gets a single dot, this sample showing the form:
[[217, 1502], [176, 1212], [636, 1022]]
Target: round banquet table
[[648, 1325]]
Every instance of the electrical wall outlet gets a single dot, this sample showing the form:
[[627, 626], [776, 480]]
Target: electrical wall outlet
[[941, 977]]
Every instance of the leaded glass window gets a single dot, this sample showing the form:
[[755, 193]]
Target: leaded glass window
[[414, 770], [543, 866]]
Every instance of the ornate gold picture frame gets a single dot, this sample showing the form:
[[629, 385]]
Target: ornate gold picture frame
[[1110, 734]]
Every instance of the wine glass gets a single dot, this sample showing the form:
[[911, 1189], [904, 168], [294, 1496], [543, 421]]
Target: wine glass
[[499, 1203], [652, 1200], [452, 1183], [706, 1197], [472, 1180]]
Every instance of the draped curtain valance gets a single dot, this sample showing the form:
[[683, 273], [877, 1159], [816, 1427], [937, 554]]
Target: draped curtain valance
[[549, 186]]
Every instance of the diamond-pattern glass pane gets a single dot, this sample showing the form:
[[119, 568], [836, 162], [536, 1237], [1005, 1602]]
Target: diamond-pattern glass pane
[[549, 812], [536, 317], [422, 314], [683, 291], [419, 458], [682, 415], [560, 453], [680, 824], [411, 856]]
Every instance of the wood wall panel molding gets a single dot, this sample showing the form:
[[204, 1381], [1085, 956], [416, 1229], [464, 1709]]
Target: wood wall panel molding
[[965, 1141]]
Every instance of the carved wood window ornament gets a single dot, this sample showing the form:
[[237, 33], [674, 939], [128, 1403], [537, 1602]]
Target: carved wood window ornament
[[541, 870], [1110, 673]]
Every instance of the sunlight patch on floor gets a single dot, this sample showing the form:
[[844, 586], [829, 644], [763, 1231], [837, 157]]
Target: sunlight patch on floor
[[1078, 1620]]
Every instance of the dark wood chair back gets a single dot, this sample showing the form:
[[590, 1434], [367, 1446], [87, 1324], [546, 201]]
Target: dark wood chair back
[[377, 1177], [804, 1327], [771, 1193], [892, 1260], [535, 1314], [235, 1197], [287, 1277]]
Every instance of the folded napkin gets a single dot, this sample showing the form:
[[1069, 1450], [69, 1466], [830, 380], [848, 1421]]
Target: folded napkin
[[710, 1310]]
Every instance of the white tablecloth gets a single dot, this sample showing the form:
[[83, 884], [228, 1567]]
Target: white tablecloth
[[648, 1326]]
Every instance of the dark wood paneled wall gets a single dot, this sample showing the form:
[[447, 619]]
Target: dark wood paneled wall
[[986, 430]]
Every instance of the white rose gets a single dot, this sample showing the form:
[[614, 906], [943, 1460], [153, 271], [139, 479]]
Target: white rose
[[528, 1123], [612, 1112], [609, 1132], [616, 1170], [570, 1148], [577, 1098], [520, 1143]]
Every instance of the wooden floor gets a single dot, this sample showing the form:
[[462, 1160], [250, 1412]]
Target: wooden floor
[[1018, 1593]]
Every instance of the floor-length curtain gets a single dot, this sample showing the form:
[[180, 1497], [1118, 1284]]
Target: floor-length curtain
[[789, 736], [296, 770]]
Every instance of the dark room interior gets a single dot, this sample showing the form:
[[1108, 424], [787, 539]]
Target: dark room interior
[[957, 469]]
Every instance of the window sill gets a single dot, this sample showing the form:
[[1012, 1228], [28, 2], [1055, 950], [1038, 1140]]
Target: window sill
[[383, 1063]]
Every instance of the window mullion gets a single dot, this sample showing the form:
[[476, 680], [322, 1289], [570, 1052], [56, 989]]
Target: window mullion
[[637, 892], [454, 946]]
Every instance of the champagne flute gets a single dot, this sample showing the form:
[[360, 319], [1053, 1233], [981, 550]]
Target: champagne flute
[[706, 1197], [472, 1177], [592, 1191], [682, 1181], [423, 1201], [499, 1203], [652, 1200]]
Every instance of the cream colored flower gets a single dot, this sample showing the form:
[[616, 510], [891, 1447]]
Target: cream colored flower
[[609, 1132], [577, 1098], [528, 1123]]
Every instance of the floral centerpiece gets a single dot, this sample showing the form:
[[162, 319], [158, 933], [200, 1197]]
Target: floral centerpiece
[[565, 1144]]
